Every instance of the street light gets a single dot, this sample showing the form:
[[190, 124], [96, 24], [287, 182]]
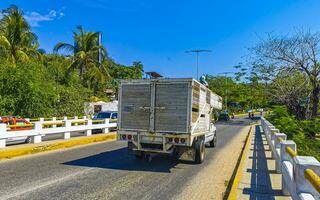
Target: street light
[[226, 96], [197, 51]]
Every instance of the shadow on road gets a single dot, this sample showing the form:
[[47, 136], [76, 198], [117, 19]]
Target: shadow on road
[[120, 160], [260, 184], [244, 121]]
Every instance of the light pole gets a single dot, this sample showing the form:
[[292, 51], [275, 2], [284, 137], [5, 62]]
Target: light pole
[[225, 92], [197, 51]]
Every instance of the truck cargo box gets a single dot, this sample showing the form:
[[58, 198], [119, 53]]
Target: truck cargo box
[[166, 106]]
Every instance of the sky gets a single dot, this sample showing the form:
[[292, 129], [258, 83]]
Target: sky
[[158, 32]]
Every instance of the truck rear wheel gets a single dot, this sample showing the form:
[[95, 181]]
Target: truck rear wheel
[[139, 155], [199, 151]]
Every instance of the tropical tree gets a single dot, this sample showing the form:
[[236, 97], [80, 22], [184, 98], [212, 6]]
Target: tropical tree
[[294, 53], [17, 41], [85, 55]]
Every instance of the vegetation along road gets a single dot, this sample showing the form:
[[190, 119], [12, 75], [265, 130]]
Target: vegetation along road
[[105, 171]]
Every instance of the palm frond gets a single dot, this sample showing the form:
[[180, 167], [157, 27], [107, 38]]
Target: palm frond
[[63, 46]]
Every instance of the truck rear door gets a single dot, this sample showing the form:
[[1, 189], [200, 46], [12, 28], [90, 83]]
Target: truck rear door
[[171, 107], [135, 106]]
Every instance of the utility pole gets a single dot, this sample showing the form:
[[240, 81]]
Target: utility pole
[[100, 44], [225, 92], [197, 51]]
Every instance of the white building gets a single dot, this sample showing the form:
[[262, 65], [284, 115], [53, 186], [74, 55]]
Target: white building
[[91, 108]]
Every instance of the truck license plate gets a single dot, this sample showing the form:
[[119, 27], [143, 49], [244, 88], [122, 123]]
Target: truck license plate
[[151, 139]]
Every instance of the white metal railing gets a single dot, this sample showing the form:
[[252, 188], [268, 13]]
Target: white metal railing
[[65, 126], [300, 174]]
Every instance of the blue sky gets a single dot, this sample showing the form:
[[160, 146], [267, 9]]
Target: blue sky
[[158, 32]]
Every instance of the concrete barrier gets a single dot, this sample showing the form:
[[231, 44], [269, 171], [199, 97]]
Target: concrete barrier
[[300, 174], [54, 126]]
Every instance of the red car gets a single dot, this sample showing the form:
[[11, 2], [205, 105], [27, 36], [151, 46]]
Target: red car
[[17, 124]]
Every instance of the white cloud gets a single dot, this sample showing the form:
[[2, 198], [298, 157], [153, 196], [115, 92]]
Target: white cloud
[[34, 18]]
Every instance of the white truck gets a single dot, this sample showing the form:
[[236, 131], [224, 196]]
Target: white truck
[[170, 116]]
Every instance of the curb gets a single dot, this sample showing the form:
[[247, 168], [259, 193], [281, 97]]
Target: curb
[[235, 183], [9, 152]]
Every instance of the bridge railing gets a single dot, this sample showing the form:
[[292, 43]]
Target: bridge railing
[[38, 129], [300, 174]]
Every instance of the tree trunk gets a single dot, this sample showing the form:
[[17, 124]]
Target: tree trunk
[[315, 99]]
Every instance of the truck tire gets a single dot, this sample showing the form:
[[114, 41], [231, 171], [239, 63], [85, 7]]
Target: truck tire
[[213, 142], [139, 155], [199, 151]]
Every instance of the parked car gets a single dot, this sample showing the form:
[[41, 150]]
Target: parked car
[[111, 115], [224, 116], [11, 120]]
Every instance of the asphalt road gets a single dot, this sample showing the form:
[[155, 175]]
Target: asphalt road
[[105, 171]]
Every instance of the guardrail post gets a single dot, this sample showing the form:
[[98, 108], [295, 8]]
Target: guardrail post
[[41, 119], [54, 119], [66, 135], [84, 117], [28, 119], [106, 130], [278, 137], [89, 130], [285, 157], [38, 127], [268, 133], [3, 130], [273, 131], [302, 184], [65, 118]]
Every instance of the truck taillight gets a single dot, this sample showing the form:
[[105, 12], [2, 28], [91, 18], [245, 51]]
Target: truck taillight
[[176, 140], [170, 139], [124, 137], [183, 140], [129, 137]]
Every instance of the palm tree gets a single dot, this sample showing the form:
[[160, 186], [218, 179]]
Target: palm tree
[[17, 41], [85, 53]]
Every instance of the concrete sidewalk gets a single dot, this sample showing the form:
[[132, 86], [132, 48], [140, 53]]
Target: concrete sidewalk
[[259, 179]]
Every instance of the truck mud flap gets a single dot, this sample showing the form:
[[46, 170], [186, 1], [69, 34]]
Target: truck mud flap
[[185, 153]]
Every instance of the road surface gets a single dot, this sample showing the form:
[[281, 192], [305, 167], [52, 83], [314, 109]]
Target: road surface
[[105, 171]]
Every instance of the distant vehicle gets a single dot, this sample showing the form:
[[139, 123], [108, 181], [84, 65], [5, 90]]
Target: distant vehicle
[[111, 115], [11, 120], [224, 116], [260, 109], [169, 116]]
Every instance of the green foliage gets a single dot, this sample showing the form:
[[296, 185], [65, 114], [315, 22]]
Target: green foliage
[[239, 95], [17, 41], [25, 91], [71, 100], [302, 132], [311, 127], [281, 118], [36, 84], [118, 72]]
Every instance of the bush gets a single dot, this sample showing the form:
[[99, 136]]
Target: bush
[[302, 132], [25, 91], [31, 90]]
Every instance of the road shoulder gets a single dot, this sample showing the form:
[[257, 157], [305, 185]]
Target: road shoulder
[[28, 149], [211, 182]]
